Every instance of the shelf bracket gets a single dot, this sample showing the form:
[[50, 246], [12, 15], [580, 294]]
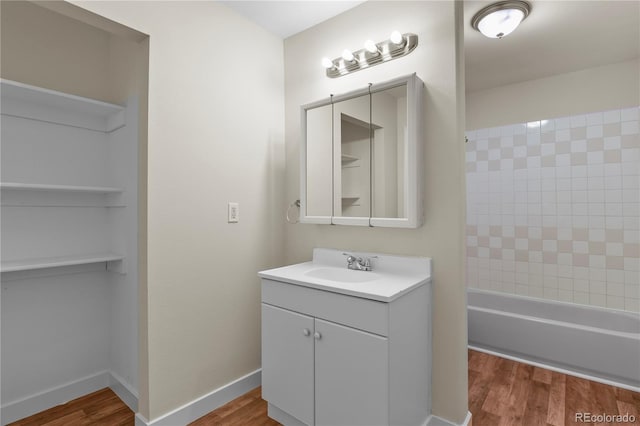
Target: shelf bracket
[[117, 266]]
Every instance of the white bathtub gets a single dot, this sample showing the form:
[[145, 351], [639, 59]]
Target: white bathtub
[[596, 342]]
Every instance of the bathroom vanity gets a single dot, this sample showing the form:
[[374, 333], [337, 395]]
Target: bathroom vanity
[[347, 347]]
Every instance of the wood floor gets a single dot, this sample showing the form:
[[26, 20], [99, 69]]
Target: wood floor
[[501, 393], [248, 410], [507, 393], [102, 407]]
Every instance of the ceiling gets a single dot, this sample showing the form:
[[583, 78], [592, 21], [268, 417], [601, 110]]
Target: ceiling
[[559, 36], [286, 18]]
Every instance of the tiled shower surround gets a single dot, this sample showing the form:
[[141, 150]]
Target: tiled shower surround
[[554, 209]]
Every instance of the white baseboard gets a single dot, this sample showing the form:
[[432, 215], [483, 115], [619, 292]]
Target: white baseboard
[[19, 409], [282, 417], [439, 421], [125, 392], [555, 368], [16, 410], [205, 404]]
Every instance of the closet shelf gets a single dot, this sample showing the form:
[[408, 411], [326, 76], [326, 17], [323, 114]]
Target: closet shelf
[[348, 158], [36, 103], [55, 262], [59, 188]]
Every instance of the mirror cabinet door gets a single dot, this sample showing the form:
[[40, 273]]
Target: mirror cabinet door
[[389, 152], [352, 157], [362, 156], [319, 158]]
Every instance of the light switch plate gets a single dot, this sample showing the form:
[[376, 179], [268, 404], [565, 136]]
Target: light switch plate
[[234, 212]]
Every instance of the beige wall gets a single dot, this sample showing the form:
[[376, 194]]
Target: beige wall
[[602, 88], [438, 63], [215, 135], [42, 48]]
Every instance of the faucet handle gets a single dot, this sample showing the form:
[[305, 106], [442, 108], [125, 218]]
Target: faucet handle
[[350, 258], [367, 261]]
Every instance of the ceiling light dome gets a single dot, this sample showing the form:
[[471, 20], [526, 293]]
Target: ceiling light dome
[[500, 19]]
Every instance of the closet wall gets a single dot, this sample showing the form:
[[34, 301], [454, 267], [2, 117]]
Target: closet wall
[[69, 214]]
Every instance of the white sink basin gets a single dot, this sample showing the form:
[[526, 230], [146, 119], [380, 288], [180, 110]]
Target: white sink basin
[[392, 276], [342, 275]]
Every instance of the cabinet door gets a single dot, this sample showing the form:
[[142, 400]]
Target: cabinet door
[[352, 385], [287, 361]]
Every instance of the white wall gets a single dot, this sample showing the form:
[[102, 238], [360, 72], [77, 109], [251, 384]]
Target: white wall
[[215, 135], [612, 86], [437, 61]]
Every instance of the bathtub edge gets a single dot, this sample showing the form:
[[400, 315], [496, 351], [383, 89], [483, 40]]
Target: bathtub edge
[[569, 372]]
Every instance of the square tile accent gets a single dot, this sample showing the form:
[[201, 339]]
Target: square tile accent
[[553, 208]]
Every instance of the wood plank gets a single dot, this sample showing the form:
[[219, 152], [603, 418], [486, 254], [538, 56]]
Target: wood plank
[[578, 393], [120, 417], [537, 405], [517, 401], [482, 418], [234, 406], [478, 393], [604, 399], [631, 409], [61, 410], [626, 395], [99, 407], [75, 418], [210, 419], [476, 361], [542, 375], [251, 413], [497, 399], [248, 409], [473, 375], [555, 414]]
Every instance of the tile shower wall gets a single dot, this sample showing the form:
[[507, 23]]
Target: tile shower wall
[[554, 209]]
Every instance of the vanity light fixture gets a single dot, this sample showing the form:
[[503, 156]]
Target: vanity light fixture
[[371, 47], [396, 46], [397, 38], [347, 55], [327, 63], [500, 19]]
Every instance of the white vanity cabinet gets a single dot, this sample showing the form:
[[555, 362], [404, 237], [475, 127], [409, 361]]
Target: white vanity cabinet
[[334, 358], [345, 368]]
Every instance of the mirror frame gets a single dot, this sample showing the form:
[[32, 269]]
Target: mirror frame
[[414, 205]]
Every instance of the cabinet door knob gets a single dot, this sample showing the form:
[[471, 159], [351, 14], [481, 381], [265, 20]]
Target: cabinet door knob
[[306, 332], [317, 335]]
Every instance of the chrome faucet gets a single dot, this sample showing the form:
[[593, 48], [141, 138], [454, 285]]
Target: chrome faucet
[[359, 263]]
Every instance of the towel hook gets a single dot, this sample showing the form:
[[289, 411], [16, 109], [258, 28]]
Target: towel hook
[[296, 203]]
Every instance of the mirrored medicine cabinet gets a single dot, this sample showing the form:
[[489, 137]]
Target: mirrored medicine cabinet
[[361, 156]]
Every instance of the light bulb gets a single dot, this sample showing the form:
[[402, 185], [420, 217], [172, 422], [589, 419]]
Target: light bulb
[[500, 23], [347, 55], [396, 37], [370, 46], [327, 63]]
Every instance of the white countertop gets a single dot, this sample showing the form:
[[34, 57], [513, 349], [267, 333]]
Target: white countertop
[[390, 278]]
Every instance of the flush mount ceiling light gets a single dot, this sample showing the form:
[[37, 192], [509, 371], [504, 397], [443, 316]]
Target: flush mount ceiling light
[[500, 19], [396, 46]]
